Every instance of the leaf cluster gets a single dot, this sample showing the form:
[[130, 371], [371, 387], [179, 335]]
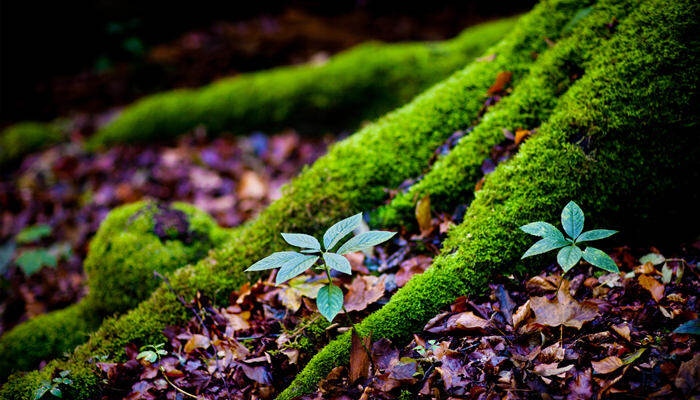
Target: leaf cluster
[[570, 252], [291, 263], [152, 353], [53, 386]]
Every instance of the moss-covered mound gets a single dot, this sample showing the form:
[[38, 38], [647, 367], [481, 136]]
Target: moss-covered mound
[[621, 142], [26, 137], [132, 242], [361, 83], [354, 174]]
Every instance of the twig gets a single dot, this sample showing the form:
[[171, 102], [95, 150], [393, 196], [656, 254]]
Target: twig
[[175, 386]]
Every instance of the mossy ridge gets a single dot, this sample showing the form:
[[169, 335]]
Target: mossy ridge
[[452, 178], [625, 136], [120, 263], [355, 85], [26, 137], [351, 177]]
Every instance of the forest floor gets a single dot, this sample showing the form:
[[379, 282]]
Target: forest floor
[[599, 335]]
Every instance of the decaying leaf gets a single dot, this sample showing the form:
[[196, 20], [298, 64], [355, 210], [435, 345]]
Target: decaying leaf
[[464, 321], [563, 310], [197, 342], [607, 365], [521, 134], [359, 359], [364, 290], [410, 267], [653, 286]]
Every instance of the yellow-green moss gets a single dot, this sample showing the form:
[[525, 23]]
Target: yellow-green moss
[[358, 84], [22, 138], [453, 177], [622, 143], [350, 178], [132, 242]]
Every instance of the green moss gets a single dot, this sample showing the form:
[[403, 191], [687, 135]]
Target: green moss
[[358, 84], [131, 243], [622, 135], [349, 178], [453, 177], [23, 138]]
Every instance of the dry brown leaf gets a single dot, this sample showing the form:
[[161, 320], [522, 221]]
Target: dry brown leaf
[[521, 314], [623, 330], [653, 286], [607, 365], [251, 186], [410, 267], [688, 377], [363, 291], [464, 321], [646, 268], [423, 215], [521, 134], [540, 283], [563, 310], [359, 359], [551, 369], [196, 342], [501, 81]]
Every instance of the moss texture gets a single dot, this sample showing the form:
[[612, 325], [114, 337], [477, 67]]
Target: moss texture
[[350, 178], [358, 84], [132, 242], [452, 178], [621, 143], [25, 137]]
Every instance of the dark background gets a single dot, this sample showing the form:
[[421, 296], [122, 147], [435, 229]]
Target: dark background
[[63, 57]]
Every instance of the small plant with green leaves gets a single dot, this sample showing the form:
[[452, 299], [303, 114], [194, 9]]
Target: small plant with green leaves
[[152, 353], [430, 345], [570, 252], [53, 387], [291, 263]]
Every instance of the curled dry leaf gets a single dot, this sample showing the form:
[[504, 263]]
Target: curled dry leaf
[[363, 291], [521, 314], [563, 310], [653, 286], [539, 283], [464, 321], [623, 330], [521, 134], [359, 359]]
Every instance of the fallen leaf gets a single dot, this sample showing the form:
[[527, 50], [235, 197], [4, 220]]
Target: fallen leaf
[[196, 342], [501, 81], [580, 387], [464, 321], [410, 267], [488, 58], [646, 268], [688, 377], [251, 186], [551, 369], [521, 134], [540, 283], [653, 286], [384, 354], [607, 365], [291, 293], [563, 310], [654, 258], [521, 314], [363, 291], [259, 373], [359, 359], [623, 330], [423, 215]]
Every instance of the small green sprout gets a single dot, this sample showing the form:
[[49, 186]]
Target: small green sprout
[[430, 345], [291, 263], [151, 353], [53, 386], [570, 254]]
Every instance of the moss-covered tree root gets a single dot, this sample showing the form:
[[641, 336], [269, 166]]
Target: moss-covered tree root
[[453, 177], [25, 137], [132, 242], [622, 145], [351, 177], [359, 84]]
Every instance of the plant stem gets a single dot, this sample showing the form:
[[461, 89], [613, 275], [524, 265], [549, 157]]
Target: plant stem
[[352, 324]]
